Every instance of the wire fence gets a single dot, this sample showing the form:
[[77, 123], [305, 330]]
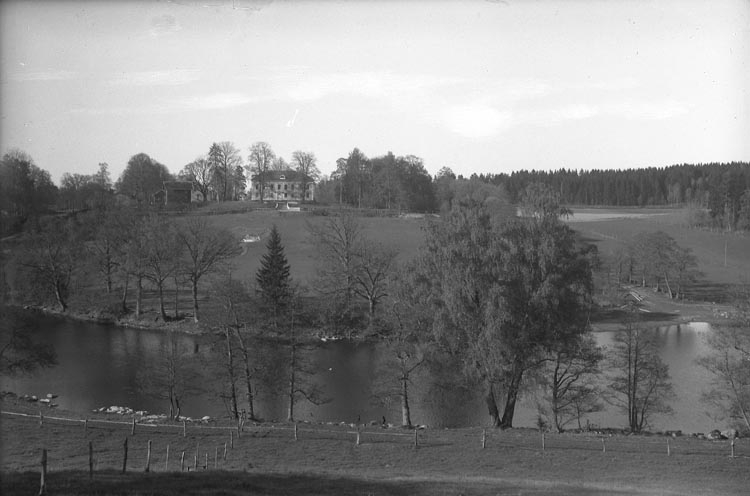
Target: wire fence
[[182, 447]]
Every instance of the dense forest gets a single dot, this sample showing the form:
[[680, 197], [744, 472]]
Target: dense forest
[[723, 189]]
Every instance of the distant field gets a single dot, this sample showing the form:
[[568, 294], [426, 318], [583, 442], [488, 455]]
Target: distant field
[[403, 235], [607, 228], [612, 228]]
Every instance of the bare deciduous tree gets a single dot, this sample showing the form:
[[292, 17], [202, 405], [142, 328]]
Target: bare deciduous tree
[[200, 172], [260, 162], [338, 240], [163, 252], [206, 250], [371, 277], [306, 164], [224, 159], [173, 376], [640, 382]]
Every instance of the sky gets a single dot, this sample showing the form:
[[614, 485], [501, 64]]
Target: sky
[[477, 86]]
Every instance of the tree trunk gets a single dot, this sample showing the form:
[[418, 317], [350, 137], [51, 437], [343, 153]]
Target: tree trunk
[[669, 288], [405, 411], [160, 289], [138, 296], [60, 298], [176, 298], [292, 380], [125, 293], [195, 301], [492, 406], [232, 381], [248, 376], [510, 402]]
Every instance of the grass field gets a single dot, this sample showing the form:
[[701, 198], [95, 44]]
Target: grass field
[[720, 272], [326, 460], [403, 235]]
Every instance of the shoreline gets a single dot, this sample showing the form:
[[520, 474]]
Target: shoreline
[[657, 311]]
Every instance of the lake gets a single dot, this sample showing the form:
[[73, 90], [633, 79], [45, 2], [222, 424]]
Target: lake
[[99, 366]]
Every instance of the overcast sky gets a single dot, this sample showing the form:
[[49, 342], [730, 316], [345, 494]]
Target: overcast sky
[[483, 86]]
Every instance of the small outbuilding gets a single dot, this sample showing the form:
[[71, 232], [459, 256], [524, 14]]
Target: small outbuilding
[[177, 192]]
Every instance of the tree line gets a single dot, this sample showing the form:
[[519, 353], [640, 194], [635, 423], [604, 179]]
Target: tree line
[[723, 189]]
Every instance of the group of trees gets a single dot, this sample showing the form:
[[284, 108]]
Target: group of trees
[[728, 362], [221, 175], [654, 259], [125, 247], [385, 182], [26, 191]]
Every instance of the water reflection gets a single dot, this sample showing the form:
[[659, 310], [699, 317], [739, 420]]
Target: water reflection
[[98, 366]]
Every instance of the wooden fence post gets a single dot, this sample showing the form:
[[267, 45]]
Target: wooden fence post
[[195, 462], [231, 438], [216, 457], [484, 438], [86, 427], [148, 457], [205, 464], [132, 431], [91, 461], [125, 456], [669, 448], [295, 432], [732, 447], [184, 428], [358, 440], [604, 446], [225, 451], [41, 419], [416, 438], [166, 462], [182, 461], [542, 440], [42, 481]]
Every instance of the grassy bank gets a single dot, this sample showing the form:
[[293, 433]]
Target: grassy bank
[[325, 459]]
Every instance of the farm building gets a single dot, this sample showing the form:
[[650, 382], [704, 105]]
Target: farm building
[[283, 185], [177, 192]]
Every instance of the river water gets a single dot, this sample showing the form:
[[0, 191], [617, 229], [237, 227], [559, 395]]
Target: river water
[[101, 365]]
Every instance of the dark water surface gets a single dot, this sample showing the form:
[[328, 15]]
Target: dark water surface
[[99, 366]]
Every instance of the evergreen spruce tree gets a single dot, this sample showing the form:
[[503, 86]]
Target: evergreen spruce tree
[[274, 283]]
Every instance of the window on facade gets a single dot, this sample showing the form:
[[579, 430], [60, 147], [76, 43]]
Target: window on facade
[[278, 186], [285, 187], [284, 195]]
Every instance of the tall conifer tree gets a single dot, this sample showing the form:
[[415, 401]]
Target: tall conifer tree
[[274, 282]]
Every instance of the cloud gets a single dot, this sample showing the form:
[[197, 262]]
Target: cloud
[[369, 84], [476, 120], [164, 25], [157, 78], [631, 110], [215, 101], [636, 110], [58, 75]]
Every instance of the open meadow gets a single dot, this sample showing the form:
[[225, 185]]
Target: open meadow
[[404, 235], [608, 228], [723, 258], [326, 459]]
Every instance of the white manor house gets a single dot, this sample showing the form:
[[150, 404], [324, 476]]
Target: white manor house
[[284, 185]]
